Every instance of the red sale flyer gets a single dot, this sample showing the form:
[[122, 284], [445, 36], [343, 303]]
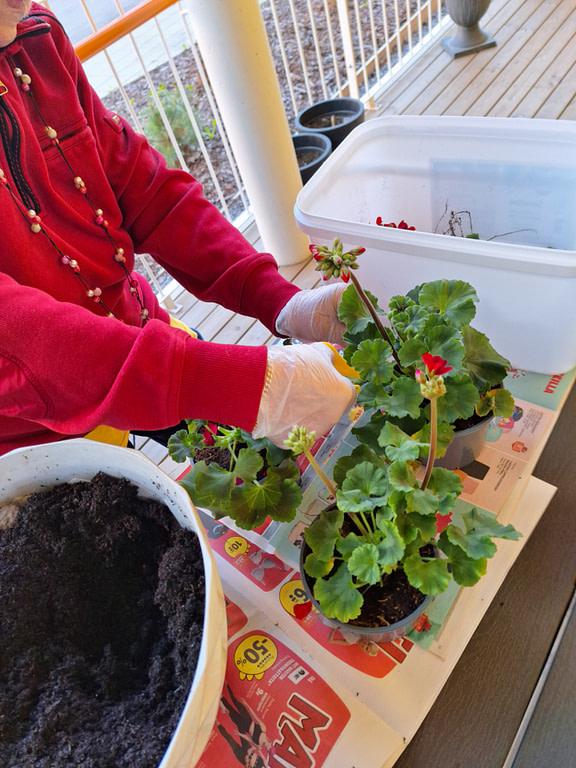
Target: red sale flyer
[[274, 711]]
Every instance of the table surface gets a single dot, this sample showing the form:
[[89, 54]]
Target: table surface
[[476, 717]]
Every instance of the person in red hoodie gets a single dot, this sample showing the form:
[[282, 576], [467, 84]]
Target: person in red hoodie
[[84, 344]]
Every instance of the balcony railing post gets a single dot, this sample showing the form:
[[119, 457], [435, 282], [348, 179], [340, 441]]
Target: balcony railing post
[[348, 46], [235, 50]]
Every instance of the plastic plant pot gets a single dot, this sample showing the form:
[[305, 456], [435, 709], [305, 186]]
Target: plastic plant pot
[[334, 118], [311, 151]]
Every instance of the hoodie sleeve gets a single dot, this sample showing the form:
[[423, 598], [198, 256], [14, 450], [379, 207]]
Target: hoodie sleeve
[[69, 370]]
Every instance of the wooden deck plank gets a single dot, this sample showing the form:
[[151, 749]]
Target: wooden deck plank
[[560, 96], [462, 73], [491, 74], [507, 68], [532, 67]]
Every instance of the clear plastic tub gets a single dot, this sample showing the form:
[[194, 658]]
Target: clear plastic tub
[[511, 181]]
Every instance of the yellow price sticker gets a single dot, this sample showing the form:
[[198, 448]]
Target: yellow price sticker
[[292, 594], [254, 656], [235, 546]]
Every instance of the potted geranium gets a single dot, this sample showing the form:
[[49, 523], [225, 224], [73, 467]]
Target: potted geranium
[[396, 526], [235, 475], [394, 537], [386, 350]]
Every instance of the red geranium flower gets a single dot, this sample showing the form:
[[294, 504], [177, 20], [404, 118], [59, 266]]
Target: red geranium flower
[[435, 364]]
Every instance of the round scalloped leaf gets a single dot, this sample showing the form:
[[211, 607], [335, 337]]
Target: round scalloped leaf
[[430, 576], [454, 299], [338, 597]]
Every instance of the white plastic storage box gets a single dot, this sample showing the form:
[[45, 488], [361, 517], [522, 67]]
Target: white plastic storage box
[[510, 180]]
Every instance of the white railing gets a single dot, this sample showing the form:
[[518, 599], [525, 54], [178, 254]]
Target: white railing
[[155, 78]]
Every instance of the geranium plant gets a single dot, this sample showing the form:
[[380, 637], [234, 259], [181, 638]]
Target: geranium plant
[[257, 480], [386, 350], [393, 507]]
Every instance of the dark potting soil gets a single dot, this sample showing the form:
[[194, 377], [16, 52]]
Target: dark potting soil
[[101, 614]]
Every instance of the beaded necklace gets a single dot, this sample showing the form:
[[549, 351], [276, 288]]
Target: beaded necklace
[[35, 222]]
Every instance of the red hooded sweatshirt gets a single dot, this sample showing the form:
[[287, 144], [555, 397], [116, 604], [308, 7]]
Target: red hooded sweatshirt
[[65, 366]]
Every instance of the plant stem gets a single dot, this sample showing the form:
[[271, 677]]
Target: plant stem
[[370, 307], [364, 530], [433, 438], [321, 474]]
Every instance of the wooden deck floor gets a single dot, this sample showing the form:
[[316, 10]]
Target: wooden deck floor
[[531, 72]]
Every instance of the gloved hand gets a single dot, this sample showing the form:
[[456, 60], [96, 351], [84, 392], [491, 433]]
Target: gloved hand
[[302, 389], [312, 315]]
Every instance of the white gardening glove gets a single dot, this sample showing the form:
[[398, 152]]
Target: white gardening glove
[[302, 389], [312, 315]]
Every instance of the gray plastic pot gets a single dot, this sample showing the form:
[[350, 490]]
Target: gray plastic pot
[[352, 633], [465, 447], [334, 118]]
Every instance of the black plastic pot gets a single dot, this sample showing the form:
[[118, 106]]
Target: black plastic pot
[[311, 151], [334, 118]]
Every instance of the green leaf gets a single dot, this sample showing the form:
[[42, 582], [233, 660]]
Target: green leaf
[[360, 453], [363, 564], [352, 312], [348, 544], [183, 445], [248, 465], [443, 439], [274, 454], [252, 503], [399, 446], [444, 481], [324, 532], [371, 361], [486, 366], [466, 571], [460, 399], [317, 568], [454, 299], [401, 477], [371, 395], [405, 400], [446, 341], [390, 547], [499, 402], [424, 502], [213, 486], [338, 596], [411, 352], [422, 523], [430, 576], [367, 478], [473, 529], [410, 322]]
